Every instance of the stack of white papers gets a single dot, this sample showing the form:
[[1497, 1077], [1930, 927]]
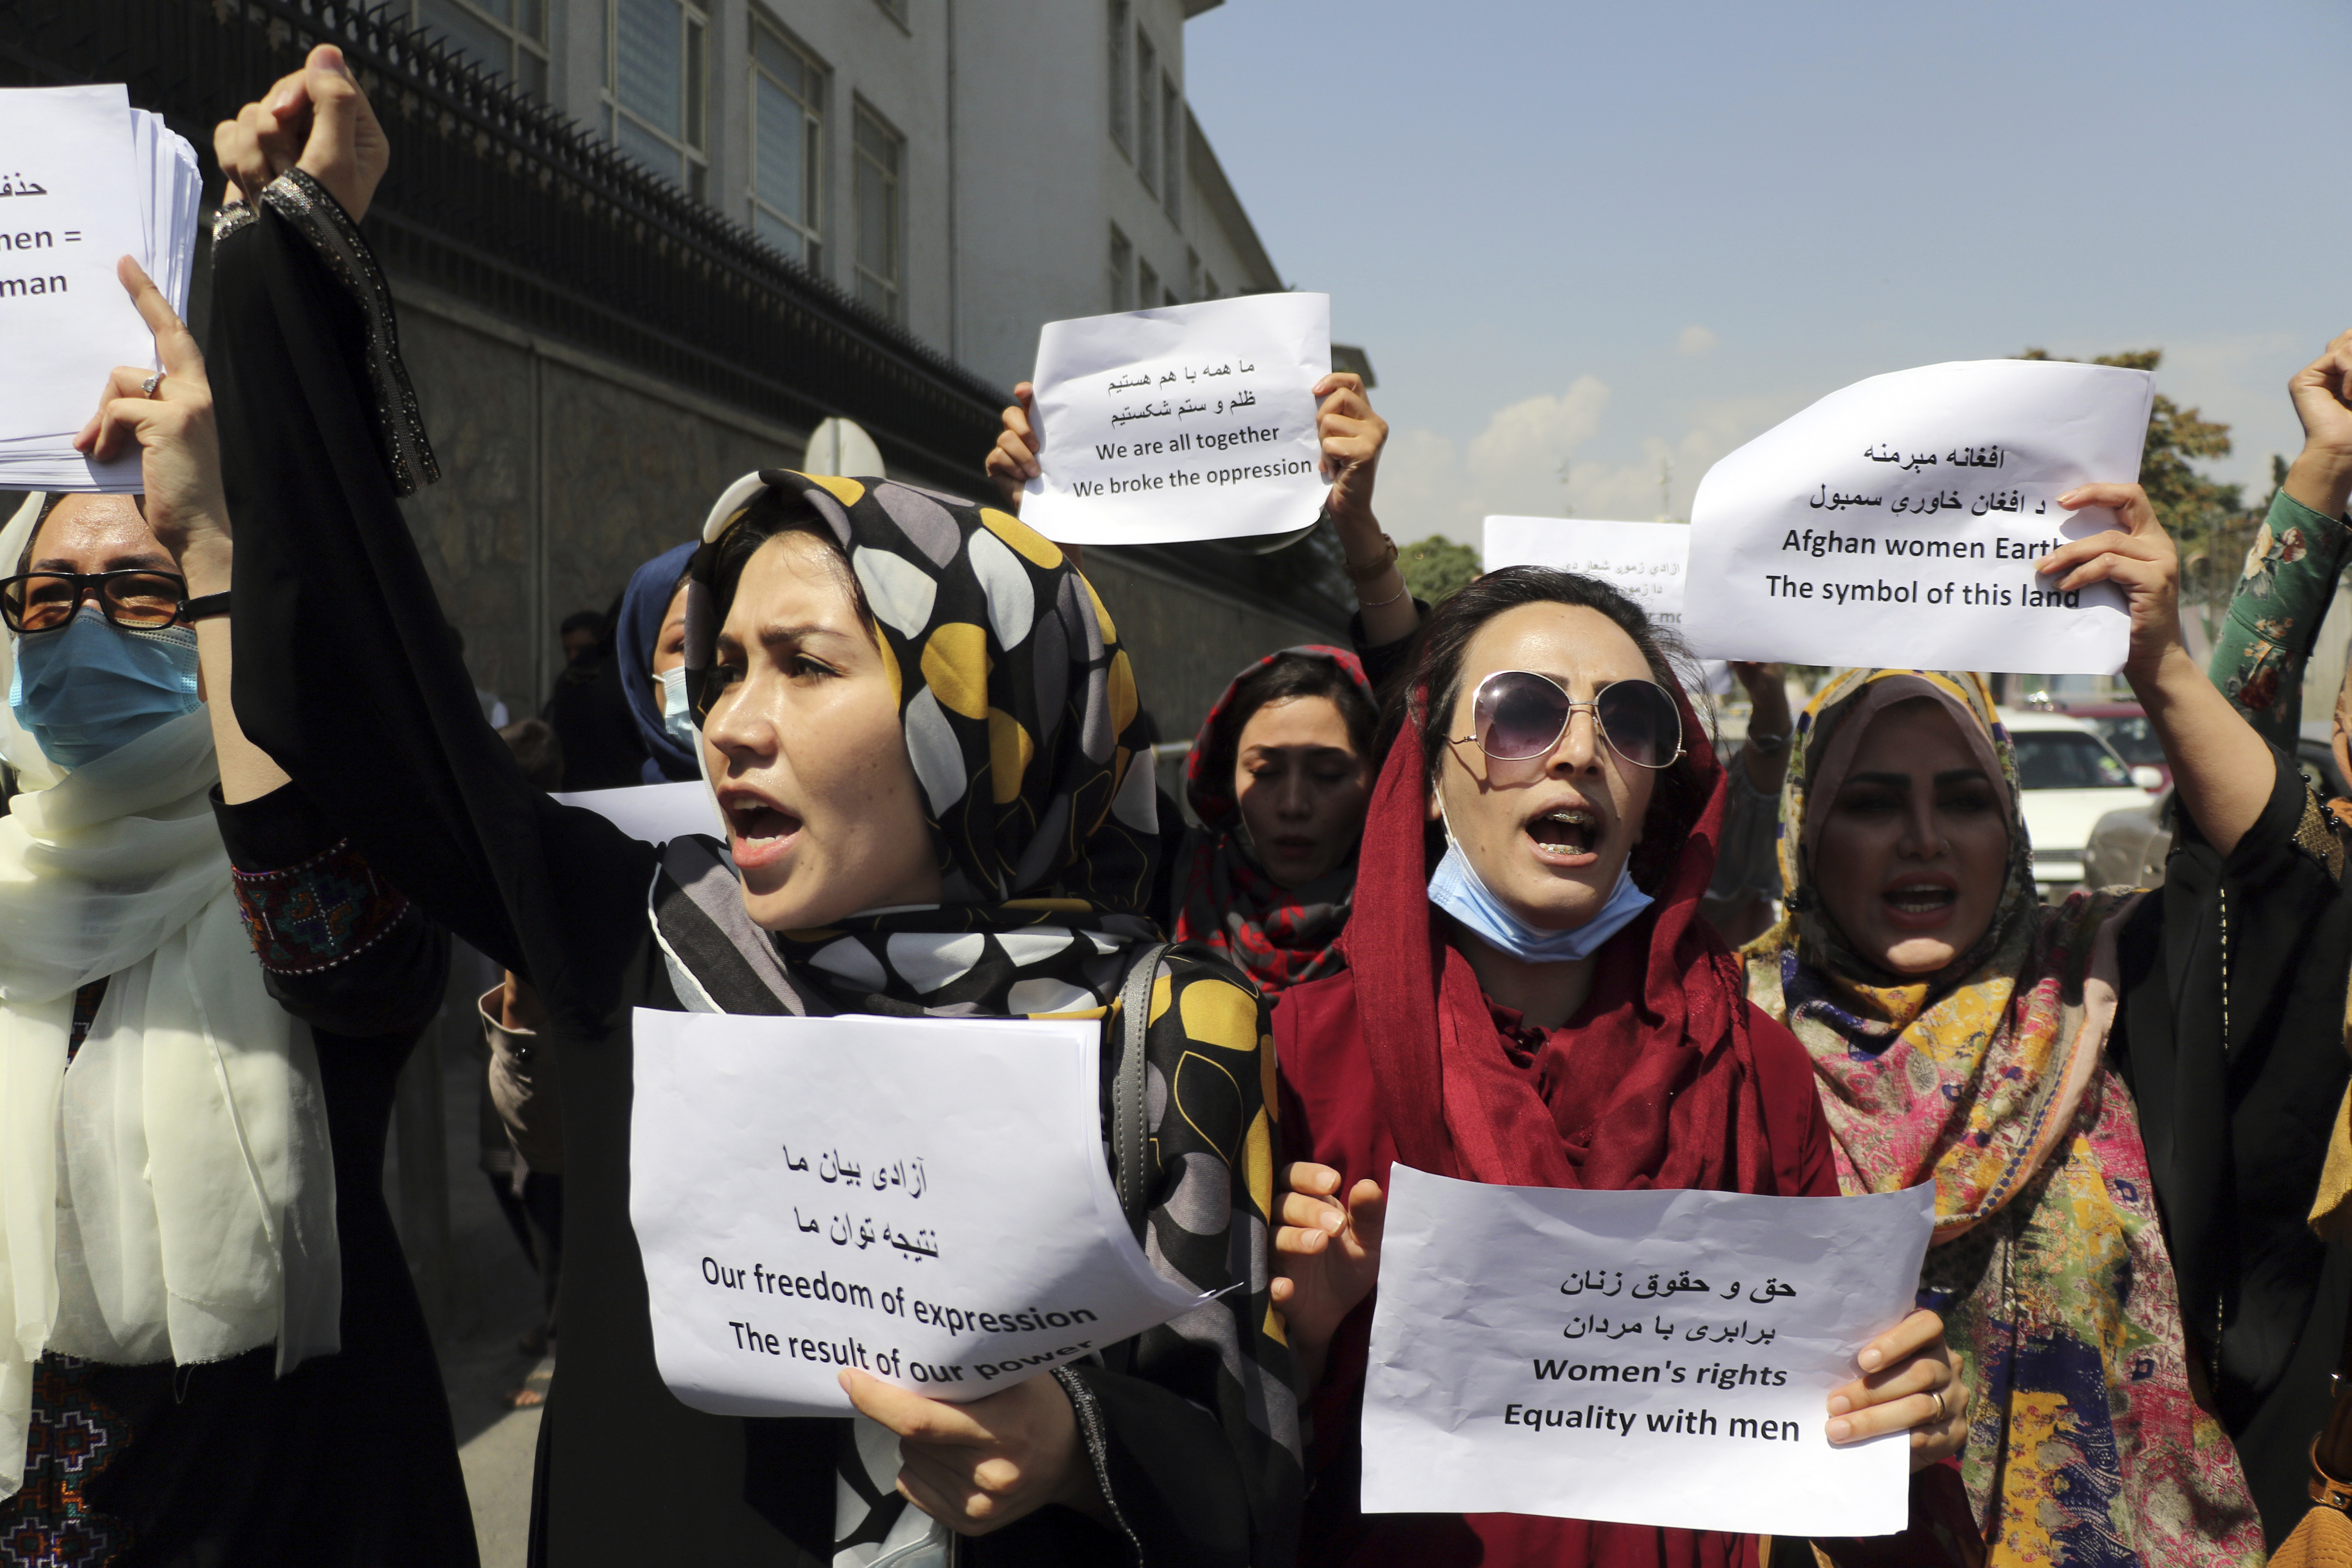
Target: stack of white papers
[[85, 180]]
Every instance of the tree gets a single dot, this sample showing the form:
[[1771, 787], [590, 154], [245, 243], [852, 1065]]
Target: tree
[[2208, 521], [1438, 567]]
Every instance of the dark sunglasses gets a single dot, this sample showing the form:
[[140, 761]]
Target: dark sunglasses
[[45, 600], [1520, 714]]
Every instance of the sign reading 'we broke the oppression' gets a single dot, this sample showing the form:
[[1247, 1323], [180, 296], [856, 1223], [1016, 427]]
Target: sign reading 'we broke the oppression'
[[1188, 422]]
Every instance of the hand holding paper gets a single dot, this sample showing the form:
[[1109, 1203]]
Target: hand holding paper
[[1899, 520], [170, 431]]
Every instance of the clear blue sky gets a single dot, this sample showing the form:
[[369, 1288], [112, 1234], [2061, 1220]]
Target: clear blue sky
[[1608, 233]]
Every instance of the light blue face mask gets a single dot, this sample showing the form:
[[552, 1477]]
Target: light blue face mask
[[96, 687], [678, 717], [1455, 888]]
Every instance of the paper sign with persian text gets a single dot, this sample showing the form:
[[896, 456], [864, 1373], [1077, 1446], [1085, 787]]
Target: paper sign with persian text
[[1660, 1357], [68, 210], [923, 1199], [1187, 422], [1898, 521], [1646, 562]]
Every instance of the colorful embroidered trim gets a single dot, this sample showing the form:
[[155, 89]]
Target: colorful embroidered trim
[[325, 911]]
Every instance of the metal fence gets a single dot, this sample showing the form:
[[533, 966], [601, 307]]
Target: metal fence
[[520, 210], [516, 208]]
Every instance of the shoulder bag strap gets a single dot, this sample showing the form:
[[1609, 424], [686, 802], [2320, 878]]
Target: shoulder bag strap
[[1130, 1130]]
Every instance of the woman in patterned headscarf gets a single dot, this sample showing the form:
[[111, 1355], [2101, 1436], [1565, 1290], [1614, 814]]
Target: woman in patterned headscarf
[[1280, 778], [2089, 1175], [922, 732]]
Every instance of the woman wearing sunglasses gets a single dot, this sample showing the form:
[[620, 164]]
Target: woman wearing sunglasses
[[1547, 814], [207, 995]]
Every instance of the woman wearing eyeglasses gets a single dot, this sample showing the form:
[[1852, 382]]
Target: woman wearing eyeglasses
[[212, 1350], [1532, 999]]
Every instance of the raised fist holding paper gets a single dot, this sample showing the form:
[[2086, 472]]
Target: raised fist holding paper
[[317, 119]]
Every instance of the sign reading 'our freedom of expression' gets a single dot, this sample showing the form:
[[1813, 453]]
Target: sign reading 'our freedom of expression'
[[921, 1199], [1898, 521], [1189, 421], [1660, 1357]]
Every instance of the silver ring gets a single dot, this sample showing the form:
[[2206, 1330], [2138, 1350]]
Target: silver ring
[[1939, 1398], [147, 387]]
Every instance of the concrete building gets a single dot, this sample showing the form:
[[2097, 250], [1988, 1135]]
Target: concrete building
[[970, 169]]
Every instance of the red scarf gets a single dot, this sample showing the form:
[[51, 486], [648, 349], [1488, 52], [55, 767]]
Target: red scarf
[[1652, 1085]]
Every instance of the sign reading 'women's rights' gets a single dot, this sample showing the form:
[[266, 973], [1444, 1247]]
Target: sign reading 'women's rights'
[[922, 1199], [1188, 422], [1899, 522], [1658, 1357]]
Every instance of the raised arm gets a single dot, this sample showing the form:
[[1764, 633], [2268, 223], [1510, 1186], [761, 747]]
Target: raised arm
[[2292, 570], [346, 673], [2223, 769]]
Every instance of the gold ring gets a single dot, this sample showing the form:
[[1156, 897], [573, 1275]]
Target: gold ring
[[1939, 1398]]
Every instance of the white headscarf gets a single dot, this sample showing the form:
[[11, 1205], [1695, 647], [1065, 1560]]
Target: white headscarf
[[172, 1197]]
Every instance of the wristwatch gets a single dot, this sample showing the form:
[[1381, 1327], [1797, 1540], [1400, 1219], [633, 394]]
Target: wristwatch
[[1768, 745]]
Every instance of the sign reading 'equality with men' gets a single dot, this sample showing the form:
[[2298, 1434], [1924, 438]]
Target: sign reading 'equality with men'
[[921, 1199], [1656, 1357], [1188, 422], [1899, 520]]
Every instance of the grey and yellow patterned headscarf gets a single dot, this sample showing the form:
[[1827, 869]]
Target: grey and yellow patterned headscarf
[[1019, 705]]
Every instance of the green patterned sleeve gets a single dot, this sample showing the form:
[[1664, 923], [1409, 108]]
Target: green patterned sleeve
[[2283, 594]]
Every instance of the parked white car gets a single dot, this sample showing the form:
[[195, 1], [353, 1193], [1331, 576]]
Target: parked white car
[[2069, 778]]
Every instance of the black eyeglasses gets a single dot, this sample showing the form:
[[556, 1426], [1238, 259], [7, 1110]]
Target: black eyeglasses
[[1520, 714], [45, 600]]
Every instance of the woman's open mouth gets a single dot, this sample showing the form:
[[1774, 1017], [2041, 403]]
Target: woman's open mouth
[[759, 832], [1566, 834], [1919, 906]]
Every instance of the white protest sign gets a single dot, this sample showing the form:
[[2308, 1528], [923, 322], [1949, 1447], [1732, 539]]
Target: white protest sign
[[1188, 422], [1656, 1357], [655, 812], [1644, 560], [1897, 521], [69, 209], [924, 1199]]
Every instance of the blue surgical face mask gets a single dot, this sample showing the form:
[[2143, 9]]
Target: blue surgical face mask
[[95, 687], [677, 717], [1455, 888]]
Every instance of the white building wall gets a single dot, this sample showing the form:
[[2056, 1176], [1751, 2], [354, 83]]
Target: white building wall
[[1011, 180]]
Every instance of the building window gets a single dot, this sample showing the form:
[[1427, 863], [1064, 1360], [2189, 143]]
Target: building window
[[1119, 73], [1172, 151], [507, 36], [880, 155], [1147, 111], [787, 146], [1147, 286], [654, 86], [1122, 262]]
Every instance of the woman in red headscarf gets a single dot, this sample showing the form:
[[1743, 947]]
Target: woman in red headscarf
[[1532, 999]]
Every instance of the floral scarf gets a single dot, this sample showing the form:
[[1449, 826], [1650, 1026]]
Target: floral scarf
[[2086, 1444], [1021, 723], [1282, 936]]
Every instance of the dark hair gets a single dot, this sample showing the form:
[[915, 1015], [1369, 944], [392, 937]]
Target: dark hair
[[539, 748], [773, 514], [1435, 663], [583, 621], [1285, 677]]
